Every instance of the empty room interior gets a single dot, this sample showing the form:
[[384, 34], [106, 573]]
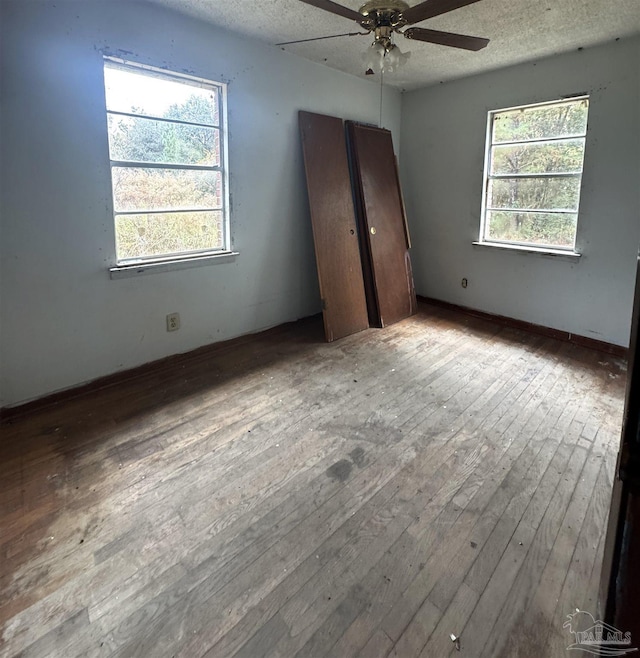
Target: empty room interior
[[317, 328]]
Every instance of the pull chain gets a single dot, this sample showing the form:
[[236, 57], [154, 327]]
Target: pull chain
[[381, 79]]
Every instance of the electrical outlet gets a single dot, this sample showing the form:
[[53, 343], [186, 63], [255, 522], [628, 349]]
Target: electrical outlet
[[173, 321], [464, 283]]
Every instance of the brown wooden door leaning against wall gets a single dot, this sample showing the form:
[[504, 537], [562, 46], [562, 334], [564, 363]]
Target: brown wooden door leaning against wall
[[334, 225], [384, 237]]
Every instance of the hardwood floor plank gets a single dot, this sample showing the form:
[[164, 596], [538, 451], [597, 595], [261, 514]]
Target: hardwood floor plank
[[281, 496], [574, 590], [416, 634], [252, 576], [405, 607], [491, 490], [57, 641], [133, 547], [262, 642], [377, 647], [333, 627], [451, 623], [385, 582], [517, 612]]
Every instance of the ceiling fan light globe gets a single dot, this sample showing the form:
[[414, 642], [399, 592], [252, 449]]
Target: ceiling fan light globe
[[393, 59], [374, 56]]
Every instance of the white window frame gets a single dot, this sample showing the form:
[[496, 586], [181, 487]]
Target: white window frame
[[487, 177], [189, 258]]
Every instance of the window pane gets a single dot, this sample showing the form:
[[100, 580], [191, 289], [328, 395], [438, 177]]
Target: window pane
[[148, 235], [137, 188], [143, 92], [534, 193], [545, 157], [557, 120], [145, 140], [550, 229]]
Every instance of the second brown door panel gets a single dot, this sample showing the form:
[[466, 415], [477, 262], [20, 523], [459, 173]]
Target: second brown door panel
[[382, 222]]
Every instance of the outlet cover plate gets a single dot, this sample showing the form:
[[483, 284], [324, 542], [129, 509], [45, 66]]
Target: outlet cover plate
[[173, 321]]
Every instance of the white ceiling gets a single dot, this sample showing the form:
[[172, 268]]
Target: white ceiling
[[519, 30]]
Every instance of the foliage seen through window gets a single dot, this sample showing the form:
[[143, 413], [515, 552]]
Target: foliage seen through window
[[167, 163], [533, 174]]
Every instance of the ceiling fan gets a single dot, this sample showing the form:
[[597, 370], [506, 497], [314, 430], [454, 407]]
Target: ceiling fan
[[386, 17]]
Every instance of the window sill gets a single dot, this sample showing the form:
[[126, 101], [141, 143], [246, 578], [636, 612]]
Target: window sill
[[543, 251], [135, 269]]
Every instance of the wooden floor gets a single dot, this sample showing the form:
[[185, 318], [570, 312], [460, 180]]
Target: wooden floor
[[289, 497]]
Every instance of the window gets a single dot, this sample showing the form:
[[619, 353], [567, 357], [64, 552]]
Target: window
[[533, 171], [168, 164]]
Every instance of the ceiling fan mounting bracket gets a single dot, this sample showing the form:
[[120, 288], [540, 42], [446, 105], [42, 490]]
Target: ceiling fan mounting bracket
[[383, 5], [383, 14]]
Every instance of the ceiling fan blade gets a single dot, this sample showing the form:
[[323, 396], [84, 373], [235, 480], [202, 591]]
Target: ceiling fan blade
[[446, 38], [332, 36], [335, 8], [432, 8]]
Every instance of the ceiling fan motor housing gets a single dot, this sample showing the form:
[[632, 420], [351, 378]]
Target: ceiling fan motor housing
[[380, 14]]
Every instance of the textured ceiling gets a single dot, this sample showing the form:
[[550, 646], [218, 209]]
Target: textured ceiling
[[519, 30]]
